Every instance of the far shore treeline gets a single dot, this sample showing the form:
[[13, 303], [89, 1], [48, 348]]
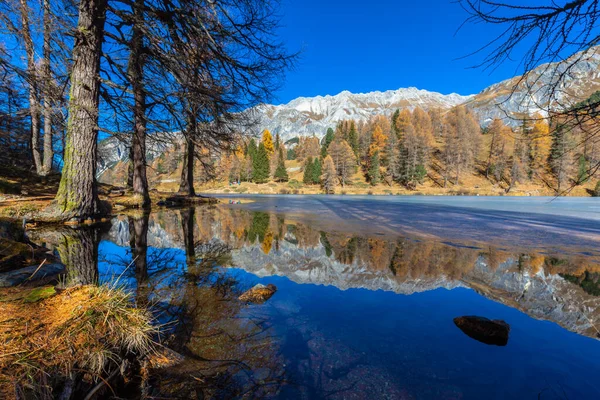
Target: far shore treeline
[[410, 147]]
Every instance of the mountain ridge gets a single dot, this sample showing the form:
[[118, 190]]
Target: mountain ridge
[[307, 116]]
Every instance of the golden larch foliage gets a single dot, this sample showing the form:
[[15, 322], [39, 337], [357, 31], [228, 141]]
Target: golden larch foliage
[[378, 140], [267, 141]]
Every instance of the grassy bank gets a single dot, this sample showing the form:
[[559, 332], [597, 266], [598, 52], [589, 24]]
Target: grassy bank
[[70, 341]]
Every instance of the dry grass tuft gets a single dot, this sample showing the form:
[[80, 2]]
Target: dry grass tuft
[[84, 329]]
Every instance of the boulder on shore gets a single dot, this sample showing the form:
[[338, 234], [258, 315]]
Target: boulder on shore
[[258, 294], [494, 332]]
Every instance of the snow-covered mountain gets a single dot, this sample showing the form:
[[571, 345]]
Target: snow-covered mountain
[[561, 84], [507, 100], [306, 116]]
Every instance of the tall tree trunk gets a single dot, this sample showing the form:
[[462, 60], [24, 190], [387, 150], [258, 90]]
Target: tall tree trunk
[[34, 105], [136, 76], [130, 169], [78, 195], [186, 185], [47, 85]]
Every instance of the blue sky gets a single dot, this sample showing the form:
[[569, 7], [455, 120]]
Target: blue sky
[[362, 46]]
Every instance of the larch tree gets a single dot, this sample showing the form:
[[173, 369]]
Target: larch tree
[[519, 161], [78, 193], [267, 141], [540, 143], [353, 138], [307, 147], [41, 38], [378, 141], [558, 35], [343, 158], [462, 142], [561, 157], [135, 74], [329, 176], [497, 154]]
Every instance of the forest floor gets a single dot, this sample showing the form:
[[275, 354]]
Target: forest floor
[[24, 195]]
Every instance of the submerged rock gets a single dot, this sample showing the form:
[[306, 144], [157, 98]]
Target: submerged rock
[[11, 230], [258, 294], [13, 254], [494, 332], [163, 358]]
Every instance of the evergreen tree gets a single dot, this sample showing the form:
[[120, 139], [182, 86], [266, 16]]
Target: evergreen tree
[[252, 149], [281, 174], [326, 142], [277, 141], [291, 154], [374, 176], [316, 171], [308, 172], [560, 157], [260, 165], [582, 173], [329, 176], [343, 159], [394, 119], [353, 138]]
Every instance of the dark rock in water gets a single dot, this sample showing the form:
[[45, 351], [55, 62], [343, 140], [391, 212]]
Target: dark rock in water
[[11, 230], [258, 294], [13, 254], [485, 330], [29, 275]]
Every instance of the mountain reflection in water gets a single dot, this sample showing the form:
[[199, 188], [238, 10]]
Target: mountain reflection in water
[[355, 316]]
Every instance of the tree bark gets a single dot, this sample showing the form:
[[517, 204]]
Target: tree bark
[[34, 105], [78, 195], [47, 105], [136, 76], [186, 185], [130, 169]]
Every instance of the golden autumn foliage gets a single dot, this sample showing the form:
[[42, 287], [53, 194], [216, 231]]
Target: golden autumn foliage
[[329, 176], [267, 242], [378, 141], [267, 141], [403, 122], [541, 142]]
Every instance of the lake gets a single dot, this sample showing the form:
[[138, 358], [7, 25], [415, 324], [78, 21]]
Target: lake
[[368, 289]]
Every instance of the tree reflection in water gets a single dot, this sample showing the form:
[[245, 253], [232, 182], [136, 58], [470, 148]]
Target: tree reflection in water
[[228, 352], [236, 350], [78, 251]]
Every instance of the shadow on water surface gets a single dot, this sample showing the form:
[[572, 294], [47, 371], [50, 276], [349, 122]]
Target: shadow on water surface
[[355, 315]]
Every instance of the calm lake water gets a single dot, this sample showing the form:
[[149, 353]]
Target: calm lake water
[[368, 288]]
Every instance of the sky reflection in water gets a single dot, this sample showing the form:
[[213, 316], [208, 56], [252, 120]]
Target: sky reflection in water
[[355, 315]]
